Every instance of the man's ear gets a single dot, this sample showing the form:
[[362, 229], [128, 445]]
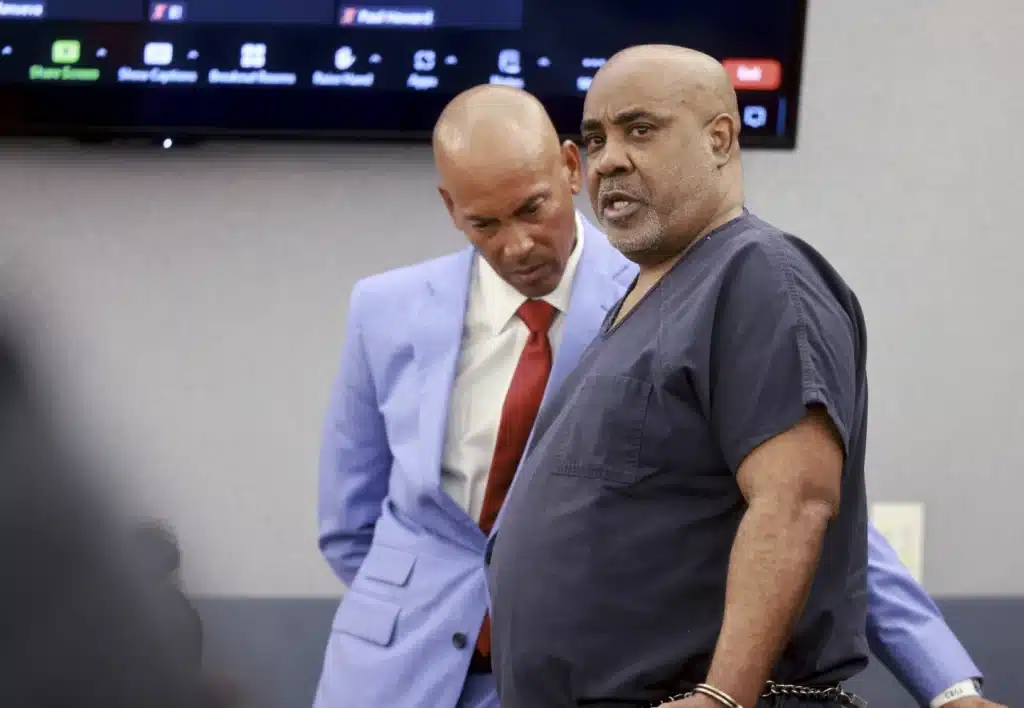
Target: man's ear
[[724, 133], [448, 203], [573, 162]]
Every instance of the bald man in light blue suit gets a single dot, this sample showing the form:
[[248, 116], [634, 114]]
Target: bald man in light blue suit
[[426, 347]]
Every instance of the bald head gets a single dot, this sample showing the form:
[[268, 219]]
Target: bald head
[[508, 184], [698, 81], [661, 126], [493, 125]]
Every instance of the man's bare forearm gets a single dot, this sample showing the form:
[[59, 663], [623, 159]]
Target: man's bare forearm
[[771, 569]]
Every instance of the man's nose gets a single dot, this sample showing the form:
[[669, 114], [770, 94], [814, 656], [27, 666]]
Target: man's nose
[[611, 160], [519, 244]]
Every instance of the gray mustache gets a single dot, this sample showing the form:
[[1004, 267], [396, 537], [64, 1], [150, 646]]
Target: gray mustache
[[607, 189]]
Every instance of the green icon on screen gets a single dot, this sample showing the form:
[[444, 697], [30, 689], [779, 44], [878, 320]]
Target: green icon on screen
[[66, 51]]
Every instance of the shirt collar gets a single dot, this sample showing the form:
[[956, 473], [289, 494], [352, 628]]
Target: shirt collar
[[500, 300]]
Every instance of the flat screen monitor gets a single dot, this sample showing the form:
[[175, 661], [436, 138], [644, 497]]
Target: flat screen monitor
[[335, 68]]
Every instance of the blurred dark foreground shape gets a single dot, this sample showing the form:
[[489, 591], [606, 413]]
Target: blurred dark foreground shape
[[86, 622]]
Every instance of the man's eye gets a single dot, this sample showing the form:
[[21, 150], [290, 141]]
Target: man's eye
[[592, 142], [640, 130]]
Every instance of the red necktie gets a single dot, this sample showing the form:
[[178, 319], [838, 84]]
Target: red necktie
[[517, 417]]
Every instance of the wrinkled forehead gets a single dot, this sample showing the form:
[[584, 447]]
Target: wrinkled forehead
[[646, 87]]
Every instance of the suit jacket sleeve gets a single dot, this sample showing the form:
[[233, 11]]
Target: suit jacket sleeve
[[355, 460], [906, 631]]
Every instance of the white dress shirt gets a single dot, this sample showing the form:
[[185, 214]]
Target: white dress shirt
[[493, 338]]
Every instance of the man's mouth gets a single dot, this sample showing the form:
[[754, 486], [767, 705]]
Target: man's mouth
[[529, 269], [531, 272], [618, 205]]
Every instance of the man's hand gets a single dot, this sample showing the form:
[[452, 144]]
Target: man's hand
[[972, 702]]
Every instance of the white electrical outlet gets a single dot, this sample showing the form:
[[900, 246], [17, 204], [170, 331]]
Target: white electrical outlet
[[902, 524]]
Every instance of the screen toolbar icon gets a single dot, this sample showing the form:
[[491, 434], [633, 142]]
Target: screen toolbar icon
[[509, 61], [253, 56], [158, 54], [344, 58], [424, 60], [66, 51], [755, 117]]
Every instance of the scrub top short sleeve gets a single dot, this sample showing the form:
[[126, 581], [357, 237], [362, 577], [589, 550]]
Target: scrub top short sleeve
[[782, 342]]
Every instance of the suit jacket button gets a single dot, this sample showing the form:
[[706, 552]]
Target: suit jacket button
[[459, 640]]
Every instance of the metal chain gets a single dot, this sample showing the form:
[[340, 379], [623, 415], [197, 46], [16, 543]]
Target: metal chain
[[833, 694], [824, 695], [673, 699]]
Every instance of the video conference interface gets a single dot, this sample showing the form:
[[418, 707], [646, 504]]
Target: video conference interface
[[403, 59], [249, 59], [484, 14]]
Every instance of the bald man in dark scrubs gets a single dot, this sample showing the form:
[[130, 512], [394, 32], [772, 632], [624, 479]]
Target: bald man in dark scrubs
[[689, 526], [406, 510]]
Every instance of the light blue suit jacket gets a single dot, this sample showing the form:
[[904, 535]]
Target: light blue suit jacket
[[413, 560]]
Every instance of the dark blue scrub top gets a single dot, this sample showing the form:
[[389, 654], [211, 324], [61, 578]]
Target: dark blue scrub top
[[608, 572]]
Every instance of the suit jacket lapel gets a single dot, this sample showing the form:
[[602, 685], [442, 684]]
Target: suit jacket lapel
[[439, 321]]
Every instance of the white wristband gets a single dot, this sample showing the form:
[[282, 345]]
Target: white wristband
[[956, 692]]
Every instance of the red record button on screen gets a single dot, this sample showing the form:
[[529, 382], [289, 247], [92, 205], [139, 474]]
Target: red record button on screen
[[754, 74]]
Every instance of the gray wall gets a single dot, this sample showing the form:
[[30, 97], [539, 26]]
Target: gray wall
[[197, 298]]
